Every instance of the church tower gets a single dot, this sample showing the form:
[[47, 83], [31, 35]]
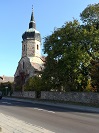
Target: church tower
[[31, 62], [31, 44]]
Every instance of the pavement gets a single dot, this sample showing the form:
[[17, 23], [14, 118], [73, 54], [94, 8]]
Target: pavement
[[62, 105], [9, 124]]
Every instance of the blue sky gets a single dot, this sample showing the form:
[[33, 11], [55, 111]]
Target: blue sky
[[14, 21]]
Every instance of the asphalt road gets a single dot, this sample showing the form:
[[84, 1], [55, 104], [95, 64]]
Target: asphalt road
[[58, 120]]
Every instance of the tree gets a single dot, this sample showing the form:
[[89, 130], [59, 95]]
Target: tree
[[94, 73], [67, 61], [34, 84], [90, 15], [70, 51], [6, 87]]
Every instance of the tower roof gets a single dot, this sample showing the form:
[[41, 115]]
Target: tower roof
[[32, 21], [31, 33]]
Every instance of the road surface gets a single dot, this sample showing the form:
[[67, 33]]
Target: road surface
[[54, 119]]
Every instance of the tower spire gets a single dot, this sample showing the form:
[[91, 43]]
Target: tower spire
[[32, 21]]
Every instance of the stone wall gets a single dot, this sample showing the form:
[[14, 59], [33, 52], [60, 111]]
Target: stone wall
[[82, 97], [28, 94]]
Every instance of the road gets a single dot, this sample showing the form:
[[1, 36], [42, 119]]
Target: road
[[55, 119]]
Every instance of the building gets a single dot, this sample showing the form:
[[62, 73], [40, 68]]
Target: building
[[4, 79], [31, 62]]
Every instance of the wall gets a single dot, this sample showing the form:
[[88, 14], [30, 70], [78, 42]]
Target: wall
[[28, 94], [82, 97]]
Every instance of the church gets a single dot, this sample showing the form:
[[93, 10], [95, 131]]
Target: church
[[31, 62]]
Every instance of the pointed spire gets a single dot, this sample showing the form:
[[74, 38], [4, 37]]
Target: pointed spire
[[32, 21], [32, 17]]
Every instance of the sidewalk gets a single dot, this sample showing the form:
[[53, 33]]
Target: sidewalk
[[63, 105], [9, 124]]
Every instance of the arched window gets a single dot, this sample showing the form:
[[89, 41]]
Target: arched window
[[37, 47]]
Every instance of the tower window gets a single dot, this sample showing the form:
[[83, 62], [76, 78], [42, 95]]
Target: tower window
[[37, 47], [24, 47]]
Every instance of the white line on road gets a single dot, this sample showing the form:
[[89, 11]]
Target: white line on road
[[6, 102], [44, 110]]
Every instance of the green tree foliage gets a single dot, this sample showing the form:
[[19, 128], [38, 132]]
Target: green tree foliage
[[6, 87], [90, 14], [70, 50], [67, 61], [95, 74], [34, 84]]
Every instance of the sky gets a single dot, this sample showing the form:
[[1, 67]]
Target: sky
[[14, 21]]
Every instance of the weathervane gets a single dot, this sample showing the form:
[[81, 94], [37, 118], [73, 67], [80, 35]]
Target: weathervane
[[32, 8]]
